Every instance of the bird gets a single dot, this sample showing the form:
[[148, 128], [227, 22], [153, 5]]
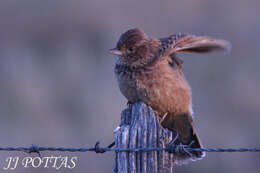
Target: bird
[[150, 70]]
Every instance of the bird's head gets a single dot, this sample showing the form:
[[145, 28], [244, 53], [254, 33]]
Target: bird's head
[[133, 48]]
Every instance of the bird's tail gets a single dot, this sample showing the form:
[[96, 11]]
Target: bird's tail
[[186, 136]]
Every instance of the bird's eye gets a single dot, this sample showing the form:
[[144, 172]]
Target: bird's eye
[[131, 49]]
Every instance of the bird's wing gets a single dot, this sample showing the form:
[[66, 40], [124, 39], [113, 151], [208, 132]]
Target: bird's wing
[[192, 44]]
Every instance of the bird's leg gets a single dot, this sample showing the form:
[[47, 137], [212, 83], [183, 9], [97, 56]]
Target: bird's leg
[[175, 143], [183, 148], [175, 140], [176, 146], [163, 117]]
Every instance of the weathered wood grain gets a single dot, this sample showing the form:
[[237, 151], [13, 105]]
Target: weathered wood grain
[[140, 128]]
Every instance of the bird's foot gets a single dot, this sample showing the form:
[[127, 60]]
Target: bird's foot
[[175, 146], [179, 149]]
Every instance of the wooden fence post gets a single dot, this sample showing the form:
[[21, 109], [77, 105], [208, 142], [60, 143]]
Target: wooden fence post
[[140, 128]]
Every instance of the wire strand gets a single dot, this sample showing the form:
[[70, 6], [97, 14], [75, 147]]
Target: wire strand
[[36, 149]]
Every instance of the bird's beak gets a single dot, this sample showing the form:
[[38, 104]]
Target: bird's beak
[[115, 51]]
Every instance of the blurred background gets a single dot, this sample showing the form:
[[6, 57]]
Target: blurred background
[[58, 87]]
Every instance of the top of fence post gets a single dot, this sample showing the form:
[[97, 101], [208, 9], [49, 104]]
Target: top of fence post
[[140, 128]]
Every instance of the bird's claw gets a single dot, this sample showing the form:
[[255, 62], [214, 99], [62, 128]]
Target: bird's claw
[[180, 148]]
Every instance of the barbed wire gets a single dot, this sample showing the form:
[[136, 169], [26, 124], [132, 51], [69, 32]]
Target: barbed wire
[[97, 149]]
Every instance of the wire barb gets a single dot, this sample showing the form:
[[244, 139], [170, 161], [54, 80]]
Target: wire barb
[[98, 149], [33, 149], [175, 149]]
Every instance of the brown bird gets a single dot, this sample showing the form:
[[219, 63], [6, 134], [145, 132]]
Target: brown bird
[[148, 70]]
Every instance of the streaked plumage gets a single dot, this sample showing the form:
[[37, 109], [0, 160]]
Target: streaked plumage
[[149, 70]]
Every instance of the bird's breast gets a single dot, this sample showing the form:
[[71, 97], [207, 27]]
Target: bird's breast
[[159, 86]]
